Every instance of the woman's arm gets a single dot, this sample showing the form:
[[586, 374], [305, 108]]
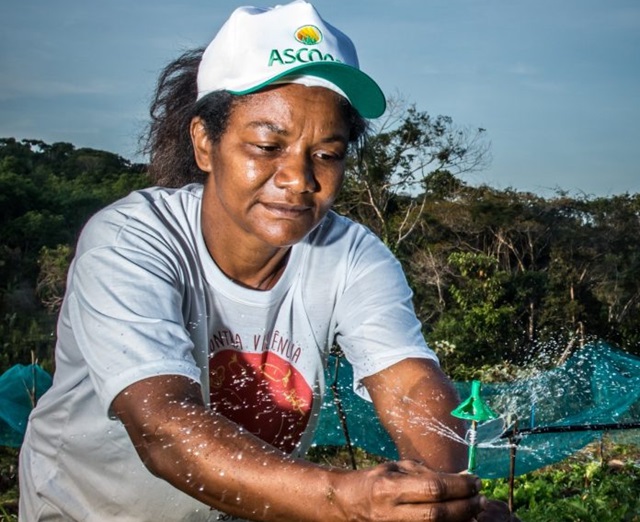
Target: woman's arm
[[414, 400], [220, 464]]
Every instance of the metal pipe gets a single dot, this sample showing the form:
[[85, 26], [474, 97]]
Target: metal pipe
[[571, 428]]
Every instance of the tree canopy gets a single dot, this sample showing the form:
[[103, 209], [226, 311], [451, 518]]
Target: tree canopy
[[498, 275], [47, 192]]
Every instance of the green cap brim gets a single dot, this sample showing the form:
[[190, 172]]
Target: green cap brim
[[361, 90]]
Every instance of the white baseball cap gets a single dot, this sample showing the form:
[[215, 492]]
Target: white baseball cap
[[291, 43]]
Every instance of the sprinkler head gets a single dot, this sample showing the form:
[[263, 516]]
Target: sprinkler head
[[474, 408]]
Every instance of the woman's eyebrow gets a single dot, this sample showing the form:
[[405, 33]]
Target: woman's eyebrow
[[275, 128], [269, 125]]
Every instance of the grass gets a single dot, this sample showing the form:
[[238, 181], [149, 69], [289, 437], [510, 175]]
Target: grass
[[8, 484], [598, 484]]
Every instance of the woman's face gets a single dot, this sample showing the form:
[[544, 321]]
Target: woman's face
[[277, 168]]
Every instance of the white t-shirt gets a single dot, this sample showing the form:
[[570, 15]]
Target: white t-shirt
[[145, 298]]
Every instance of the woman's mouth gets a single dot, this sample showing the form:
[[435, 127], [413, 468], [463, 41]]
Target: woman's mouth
[[286, 210]]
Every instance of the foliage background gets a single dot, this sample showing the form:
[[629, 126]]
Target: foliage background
[[499, 276]]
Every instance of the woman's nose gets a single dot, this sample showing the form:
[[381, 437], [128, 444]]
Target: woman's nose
[[296, 174]]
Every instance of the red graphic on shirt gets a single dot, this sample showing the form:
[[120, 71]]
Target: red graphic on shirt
[[263, 393]]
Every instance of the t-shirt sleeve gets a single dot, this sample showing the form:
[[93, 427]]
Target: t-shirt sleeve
[[376, 325], [125, 312]]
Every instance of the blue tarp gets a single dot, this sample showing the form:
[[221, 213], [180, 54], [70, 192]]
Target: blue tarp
[[20, 387]]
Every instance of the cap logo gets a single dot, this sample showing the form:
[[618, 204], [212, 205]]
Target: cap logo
[[308, 35]]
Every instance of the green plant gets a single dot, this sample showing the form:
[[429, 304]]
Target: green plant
[[584, 491], [8, 484]]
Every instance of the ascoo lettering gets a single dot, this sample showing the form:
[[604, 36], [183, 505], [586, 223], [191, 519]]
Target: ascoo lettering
[[302, 55]]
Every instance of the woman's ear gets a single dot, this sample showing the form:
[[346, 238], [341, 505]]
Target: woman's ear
[[201, 144]]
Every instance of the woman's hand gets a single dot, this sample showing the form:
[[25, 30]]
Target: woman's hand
[[409, 491]]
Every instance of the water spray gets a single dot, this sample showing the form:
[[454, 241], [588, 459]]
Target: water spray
[[475, 410]]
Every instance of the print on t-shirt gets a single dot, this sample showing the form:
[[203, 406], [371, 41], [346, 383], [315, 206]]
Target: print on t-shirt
[[261, 391]]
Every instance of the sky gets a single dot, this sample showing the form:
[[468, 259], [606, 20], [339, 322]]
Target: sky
[[556, 83]]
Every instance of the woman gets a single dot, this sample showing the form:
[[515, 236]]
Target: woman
[[198, 319]]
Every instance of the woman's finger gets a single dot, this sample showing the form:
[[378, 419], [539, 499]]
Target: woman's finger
[[414, 483]]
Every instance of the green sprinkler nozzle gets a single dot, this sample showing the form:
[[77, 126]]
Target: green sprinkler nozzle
[[475, 410]]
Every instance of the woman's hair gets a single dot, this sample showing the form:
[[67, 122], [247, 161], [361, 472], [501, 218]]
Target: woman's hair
[[167, 139]]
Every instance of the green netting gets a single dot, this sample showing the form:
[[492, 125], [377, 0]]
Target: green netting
[[20, 386], [597, 385]]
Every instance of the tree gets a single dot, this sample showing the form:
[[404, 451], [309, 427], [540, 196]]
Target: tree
[[481, 324], [409, 156], [47, 192], [52, 278]]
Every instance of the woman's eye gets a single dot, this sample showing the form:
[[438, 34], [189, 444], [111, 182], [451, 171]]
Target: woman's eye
[[267, 147], [330, 156]]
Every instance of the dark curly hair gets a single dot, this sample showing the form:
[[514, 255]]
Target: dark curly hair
[[167, 139]]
